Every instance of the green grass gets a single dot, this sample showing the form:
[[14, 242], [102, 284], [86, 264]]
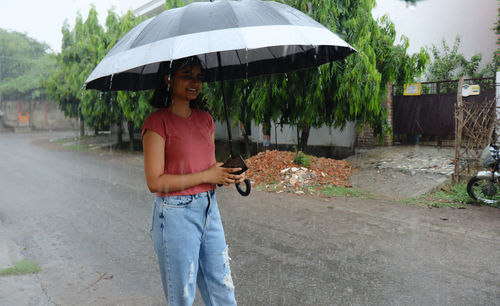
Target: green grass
[[62, 141], [20, 268], [334, 191], [302, 159], [454, 196]]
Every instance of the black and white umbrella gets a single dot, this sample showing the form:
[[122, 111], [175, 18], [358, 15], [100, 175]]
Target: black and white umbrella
[[233, 39], [253, 37]]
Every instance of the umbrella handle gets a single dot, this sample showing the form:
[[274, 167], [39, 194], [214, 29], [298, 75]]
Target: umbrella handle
[[247, 191]]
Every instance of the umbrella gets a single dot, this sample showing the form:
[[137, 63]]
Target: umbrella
[[233, 40]]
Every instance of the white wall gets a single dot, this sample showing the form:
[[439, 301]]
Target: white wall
[[324, 136], [429, 21]]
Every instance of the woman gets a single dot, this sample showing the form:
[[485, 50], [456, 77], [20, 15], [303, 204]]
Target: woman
[[180, 167]]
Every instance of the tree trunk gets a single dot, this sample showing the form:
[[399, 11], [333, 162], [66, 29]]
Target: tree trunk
[[130, 127], [266, 130], [304, 136], [246, 127], [82, 125], [119, 132]]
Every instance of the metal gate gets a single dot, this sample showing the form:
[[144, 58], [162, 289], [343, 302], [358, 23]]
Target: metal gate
[[432, 113]]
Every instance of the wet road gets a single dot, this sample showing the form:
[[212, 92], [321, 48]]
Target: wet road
[[84, 218]]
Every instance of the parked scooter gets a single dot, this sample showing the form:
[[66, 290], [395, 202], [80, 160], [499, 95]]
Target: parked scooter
[[484, 186]]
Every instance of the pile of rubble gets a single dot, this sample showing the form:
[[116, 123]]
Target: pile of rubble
[[275, 170]]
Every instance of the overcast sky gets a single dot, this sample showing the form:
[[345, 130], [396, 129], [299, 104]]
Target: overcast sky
[[43, 19], [425, 24], [430, 21]]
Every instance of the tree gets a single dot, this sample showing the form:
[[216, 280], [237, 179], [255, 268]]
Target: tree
[[134, 107], [333, 94], [24, 62], [81, 48], [449, 64]]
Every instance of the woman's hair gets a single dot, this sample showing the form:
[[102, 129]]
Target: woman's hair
[[162, 96]]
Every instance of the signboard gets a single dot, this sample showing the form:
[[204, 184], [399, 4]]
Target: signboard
[[413, 89], [470, 90], [23, 118]]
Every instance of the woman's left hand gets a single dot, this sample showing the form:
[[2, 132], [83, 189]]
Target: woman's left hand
[[240, 178]]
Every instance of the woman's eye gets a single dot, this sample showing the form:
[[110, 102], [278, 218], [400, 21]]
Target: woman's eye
[[188, 77]]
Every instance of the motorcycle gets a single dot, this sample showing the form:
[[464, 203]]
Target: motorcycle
[[484, 185]]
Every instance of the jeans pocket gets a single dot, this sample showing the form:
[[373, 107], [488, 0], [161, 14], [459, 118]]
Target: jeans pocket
[[178, 201]]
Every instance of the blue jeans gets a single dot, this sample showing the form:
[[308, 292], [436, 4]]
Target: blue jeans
[[189, 240]]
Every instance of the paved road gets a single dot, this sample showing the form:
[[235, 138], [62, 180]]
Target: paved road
[[84, 219]]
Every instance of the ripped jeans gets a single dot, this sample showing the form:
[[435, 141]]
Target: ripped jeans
[[189, 240]]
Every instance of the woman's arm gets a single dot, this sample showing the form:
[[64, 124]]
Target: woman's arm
[[158, 181]]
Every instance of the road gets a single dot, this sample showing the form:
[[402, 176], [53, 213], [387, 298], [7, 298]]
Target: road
[[84, 217]]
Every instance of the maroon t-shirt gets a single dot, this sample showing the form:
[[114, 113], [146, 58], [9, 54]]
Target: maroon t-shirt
[[189, 147]]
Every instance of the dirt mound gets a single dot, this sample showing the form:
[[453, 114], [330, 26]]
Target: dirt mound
[[279, 169]]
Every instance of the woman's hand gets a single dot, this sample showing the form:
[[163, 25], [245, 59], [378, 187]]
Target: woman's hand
[[219, 175], [241, 178]]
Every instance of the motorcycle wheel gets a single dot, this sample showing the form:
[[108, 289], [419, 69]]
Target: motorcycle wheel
[[484, 190]]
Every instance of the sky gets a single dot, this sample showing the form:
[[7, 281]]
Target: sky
[[425, 24], [43, 20], [429, 21]]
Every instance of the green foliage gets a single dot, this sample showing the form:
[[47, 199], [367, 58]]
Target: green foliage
[[24, 62], [333, 94], [450, 64], [83, 47], [336, 191], [173, 4], [302, 159], [454, 196]]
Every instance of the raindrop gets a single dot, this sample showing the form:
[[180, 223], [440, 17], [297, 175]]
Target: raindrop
[[244, 92], [111, 82], [246, 63], [286, 77]]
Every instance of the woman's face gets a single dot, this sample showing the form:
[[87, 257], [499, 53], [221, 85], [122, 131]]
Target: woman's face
[[186, 83]]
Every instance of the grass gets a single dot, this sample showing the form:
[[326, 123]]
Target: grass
[[454, 196], [334, 191], [302, 159], [20, 268]]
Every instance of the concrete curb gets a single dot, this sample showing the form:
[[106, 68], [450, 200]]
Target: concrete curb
[[18, 289], [10, 253]]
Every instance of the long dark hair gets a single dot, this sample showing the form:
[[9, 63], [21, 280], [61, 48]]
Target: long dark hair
[[162, 96]]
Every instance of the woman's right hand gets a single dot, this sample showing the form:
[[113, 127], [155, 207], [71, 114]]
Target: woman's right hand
[[216, 174]]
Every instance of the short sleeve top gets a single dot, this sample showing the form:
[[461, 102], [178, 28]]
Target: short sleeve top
[[189, 146]]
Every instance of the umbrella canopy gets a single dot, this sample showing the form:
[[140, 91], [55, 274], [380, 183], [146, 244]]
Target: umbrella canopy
[[233, 39]]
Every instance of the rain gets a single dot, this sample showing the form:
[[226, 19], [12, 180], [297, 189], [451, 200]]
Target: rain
[[76, 211]]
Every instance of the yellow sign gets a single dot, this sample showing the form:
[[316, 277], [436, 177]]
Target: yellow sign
[[413, 89], [470, 90]]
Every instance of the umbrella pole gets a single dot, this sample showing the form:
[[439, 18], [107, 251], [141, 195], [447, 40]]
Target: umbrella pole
[[248, 184], [225, 108]]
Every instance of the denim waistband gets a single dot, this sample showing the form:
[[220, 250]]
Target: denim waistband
[[204, 194]]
